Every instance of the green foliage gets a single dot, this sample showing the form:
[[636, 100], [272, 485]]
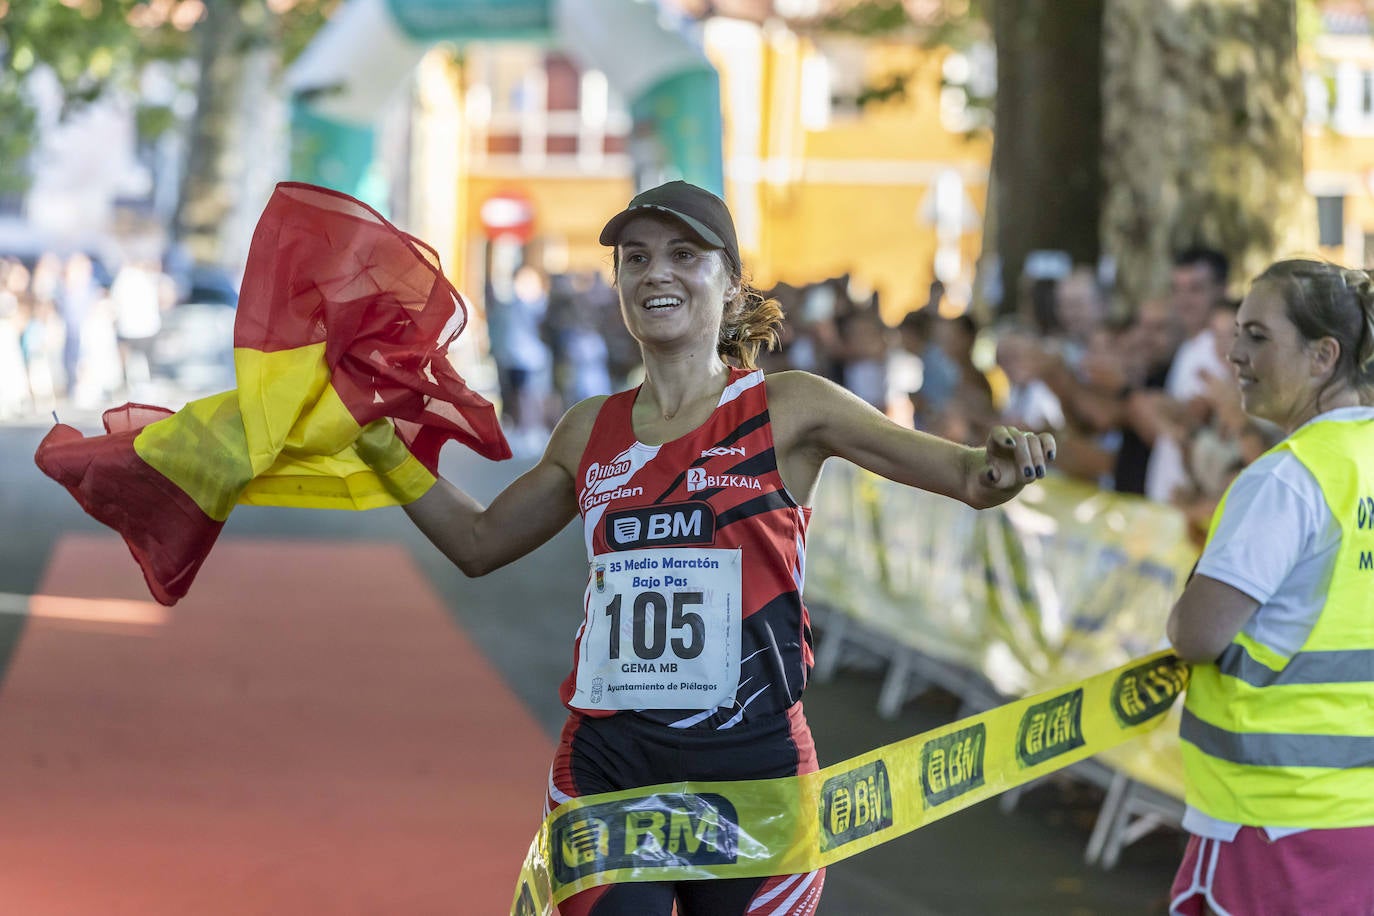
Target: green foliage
[[893, 88], [298, 25], [943, 23], [956, 24], [871, 17], [152, 121], [16, 140], [1309, 21], [94, 47], [88, 48]]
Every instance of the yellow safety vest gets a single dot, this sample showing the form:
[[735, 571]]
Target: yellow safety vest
[[1280, 741]]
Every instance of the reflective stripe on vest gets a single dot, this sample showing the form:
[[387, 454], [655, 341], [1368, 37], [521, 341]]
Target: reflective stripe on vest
[[1273, 740], [1332, 666], [1270, 750]]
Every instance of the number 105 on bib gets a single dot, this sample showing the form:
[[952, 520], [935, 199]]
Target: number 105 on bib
[[662, 630]]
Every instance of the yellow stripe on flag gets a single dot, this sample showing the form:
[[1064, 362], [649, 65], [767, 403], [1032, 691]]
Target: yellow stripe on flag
[[316, 465], [340, 481], [281, 393], [202, 449]]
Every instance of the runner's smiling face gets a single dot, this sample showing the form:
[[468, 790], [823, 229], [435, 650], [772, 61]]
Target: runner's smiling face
[[673, 287]]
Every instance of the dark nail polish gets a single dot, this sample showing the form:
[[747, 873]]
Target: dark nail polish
[[1039, 470], [1029, 472], [1050, 455]]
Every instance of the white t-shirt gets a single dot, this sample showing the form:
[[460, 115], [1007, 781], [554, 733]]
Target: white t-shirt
[[1165, 471], [1033, 405], [1277, 542], [1195, 361], [137, 303]]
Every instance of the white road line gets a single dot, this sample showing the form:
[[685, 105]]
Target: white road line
[[119, 611]]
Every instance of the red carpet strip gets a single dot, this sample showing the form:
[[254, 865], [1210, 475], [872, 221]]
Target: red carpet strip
[[306, 733]]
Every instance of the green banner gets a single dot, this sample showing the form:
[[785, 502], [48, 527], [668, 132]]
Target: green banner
[[336, 155], [473, 20], [683, 113]]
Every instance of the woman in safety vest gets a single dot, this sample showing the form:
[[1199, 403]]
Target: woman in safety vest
[[693, 492], [1278, 727]]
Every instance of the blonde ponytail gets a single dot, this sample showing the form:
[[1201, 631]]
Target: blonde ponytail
[[751, 321]]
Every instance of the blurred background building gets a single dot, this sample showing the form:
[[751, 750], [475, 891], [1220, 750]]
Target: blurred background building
[[537, 144], [504, 133]]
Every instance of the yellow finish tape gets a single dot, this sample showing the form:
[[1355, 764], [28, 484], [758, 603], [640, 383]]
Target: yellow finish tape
[[758, 828]]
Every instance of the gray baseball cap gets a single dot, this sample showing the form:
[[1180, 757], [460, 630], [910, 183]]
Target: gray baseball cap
[[698, 209]]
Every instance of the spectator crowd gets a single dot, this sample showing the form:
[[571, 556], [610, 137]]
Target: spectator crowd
[[1140, 399], [73, 336]]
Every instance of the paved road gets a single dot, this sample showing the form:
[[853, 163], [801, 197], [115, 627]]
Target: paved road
[[522, 618]]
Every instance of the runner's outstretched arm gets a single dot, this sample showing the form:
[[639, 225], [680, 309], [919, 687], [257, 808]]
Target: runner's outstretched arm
[[823, 420], [528, 512]]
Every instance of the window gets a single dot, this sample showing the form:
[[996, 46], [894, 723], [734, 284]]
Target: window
[[815, 92], [1353, 109], [515, 76], [563, 83], [1330, 221], [1317, 91], [968, 84], [845, 73]]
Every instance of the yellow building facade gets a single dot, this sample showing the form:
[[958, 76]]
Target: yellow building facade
[[1338, 141], [819, 186], [893, 192]]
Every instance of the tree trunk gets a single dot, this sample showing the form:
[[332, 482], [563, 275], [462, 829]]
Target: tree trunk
[[1202, 137], [1047, 149], [234, 130]]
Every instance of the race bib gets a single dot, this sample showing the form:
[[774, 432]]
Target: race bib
[[662, 630]]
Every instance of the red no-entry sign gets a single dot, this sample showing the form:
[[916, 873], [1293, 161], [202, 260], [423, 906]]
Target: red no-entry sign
[[508, 214]]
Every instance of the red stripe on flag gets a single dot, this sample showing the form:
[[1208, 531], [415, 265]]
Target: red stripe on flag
[[167, 533], [325, 267], [317, 255]]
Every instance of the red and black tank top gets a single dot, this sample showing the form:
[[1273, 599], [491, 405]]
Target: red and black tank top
[[717, 486]]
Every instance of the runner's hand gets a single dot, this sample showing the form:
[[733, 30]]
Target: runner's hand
[[1016, 457], [383, 451], [377, 445]]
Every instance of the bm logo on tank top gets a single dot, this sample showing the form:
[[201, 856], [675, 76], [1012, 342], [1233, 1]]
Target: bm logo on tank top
[[667, 525]]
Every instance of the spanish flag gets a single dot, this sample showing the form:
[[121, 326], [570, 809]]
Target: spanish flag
[[343, 325]]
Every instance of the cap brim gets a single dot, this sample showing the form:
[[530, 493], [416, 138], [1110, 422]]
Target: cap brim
[[610, 233]]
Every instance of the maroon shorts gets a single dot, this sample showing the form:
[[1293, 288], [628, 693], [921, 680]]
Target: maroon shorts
[[1312, 873]]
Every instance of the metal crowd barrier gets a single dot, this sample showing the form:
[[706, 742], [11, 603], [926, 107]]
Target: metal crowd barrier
[[1064, 581]]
